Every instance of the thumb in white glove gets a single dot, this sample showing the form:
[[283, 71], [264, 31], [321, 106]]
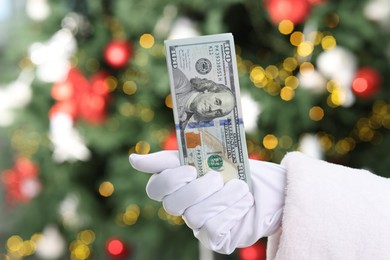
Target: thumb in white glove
[[222, 216]]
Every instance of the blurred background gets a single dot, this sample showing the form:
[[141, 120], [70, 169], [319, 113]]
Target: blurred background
[[84, 83]]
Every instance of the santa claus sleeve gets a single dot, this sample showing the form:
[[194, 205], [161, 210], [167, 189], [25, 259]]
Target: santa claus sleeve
[[332, 212]]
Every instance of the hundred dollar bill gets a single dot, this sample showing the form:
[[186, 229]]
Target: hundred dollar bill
[[206, 105]]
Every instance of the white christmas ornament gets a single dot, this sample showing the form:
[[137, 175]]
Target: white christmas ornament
[[250, 112], [310, 144], [51, 245], [53, 57], [183, 27], [37, 10], [339, 64], [67, 142], [313, 81], [163, 25], [68, 212], [15, 95], [379, 12]]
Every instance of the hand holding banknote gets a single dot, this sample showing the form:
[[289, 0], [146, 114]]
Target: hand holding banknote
[[223, 216]]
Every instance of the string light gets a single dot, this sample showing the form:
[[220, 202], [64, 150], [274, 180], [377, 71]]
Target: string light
[[19, 248], [174, 220], [290, 64], [111, 82], [345, 145], [326, 140], [328, 42], [271, 72], [270, 141], [305, 48], [286, 27], [296, 38], [146, 41], [337, 95], [316, 113], [86, 236], [257, 76], [285, 142], [146, 114], [127, 109], [131, 214], [106, 189], [287, 93], [115, 247], [81, 251], [292, 82], [168, 101], [142, 147], [129, 87], [306, 68]]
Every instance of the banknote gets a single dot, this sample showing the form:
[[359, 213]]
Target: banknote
[[206, 105]]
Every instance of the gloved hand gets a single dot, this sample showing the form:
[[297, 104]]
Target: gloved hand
[[222, 216]]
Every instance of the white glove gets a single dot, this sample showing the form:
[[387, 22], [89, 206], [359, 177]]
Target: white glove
[[222, 216]]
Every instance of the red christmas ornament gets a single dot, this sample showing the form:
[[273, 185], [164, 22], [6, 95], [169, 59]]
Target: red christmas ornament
[[92, 105], [294, 10], [92, 108], [99, 85], [255, 252], [68, 107], [316, 2], [117, 53], [82, 98], [62, 91], [170, 143], [366, 82], [117, 249], [21, 182]]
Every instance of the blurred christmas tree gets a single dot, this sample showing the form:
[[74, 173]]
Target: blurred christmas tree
[[84, 84]]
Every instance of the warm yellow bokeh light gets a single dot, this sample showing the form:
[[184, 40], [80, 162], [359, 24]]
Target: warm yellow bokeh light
[[87, 236], [287, 93], [296, 38], [292, 82], [316, 113], [290, 64], [129, 87], [337, 97], [142, 147], [131, 215], [328, 42], [14, 243], [146, 114], [81, 251], [285, 142], [106, 189], [305, 49], [306, 68], [286, 27], [146, 41], [270, 141], [257, 74], [271, 71], [168, 101], [345, 145], [111, 82]]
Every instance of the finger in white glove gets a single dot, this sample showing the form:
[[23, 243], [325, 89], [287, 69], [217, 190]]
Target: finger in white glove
[[223, 217]]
